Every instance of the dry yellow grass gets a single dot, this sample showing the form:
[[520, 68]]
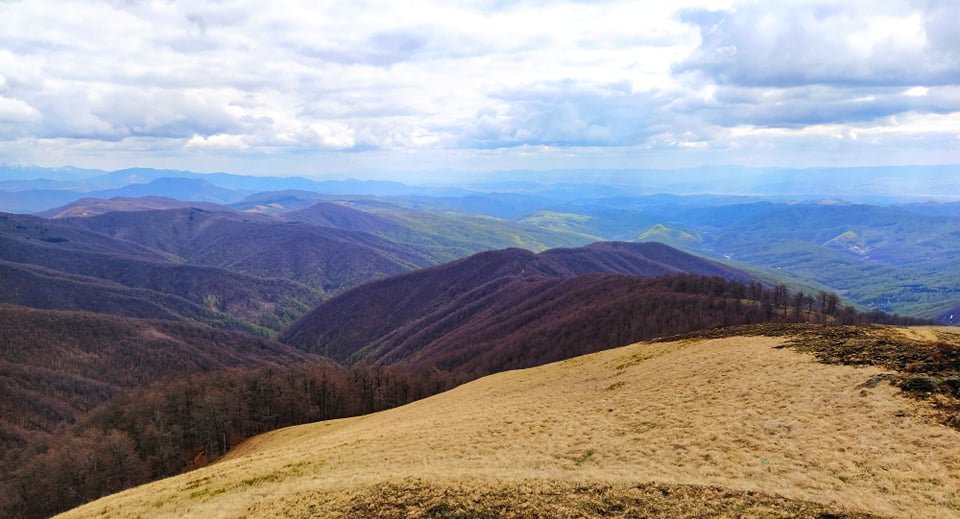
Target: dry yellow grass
[[736, 412]]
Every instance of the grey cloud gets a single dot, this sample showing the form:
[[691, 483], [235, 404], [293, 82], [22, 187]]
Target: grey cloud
[[568, 114], [633, 40], [32, 46], [941, 21], [390, 47], [380, 49], [116, 114], [352, 104], [198, 21], [817, 104], [765, 45], [164, 114], [190, 43]]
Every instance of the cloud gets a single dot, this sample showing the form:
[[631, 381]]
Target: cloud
[[855, 44], [839, 76], [380, 83], [816, 104], [220, 141], [17, 111], [379, 49], [940, 25], [568, 114], [332, 134], [323, 135]]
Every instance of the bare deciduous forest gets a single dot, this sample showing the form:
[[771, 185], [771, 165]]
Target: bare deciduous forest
[[146, 433]]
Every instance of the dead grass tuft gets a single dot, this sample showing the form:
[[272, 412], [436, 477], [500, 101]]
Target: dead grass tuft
[[535, 499]]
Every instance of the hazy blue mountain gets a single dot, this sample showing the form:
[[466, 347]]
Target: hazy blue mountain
[[68, 173], [35, 184], [184, 189], [868, 184], [187, 189], [512, 193], [36, 200]]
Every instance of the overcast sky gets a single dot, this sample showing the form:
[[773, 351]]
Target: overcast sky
[[285, 87]]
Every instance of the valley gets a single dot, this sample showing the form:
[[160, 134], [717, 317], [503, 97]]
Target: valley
[[893, 255], [397, 294]]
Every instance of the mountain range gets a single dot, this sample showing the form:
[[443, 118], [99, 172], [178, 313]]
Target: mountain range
[[812, 229], [147, 320]]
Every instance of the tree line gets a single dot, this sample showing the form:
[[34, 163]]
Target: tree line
[[149, 433]]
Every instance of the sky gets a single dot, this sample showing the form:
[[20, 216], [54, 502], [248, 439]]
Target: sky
[[329, 88]]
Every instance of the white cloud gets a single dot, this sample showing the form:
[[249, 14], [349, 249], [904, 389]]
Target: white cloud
[[17, 111], [333, 134], [220, 141]]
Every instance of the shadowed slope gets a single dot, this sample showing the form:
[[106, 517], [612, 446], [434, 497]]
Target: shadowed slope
[[648, 259], [64, 236], [56, 364], [57, 245], [504, 300], [39, 287], [242, 296], [341, 216], [324, 258]]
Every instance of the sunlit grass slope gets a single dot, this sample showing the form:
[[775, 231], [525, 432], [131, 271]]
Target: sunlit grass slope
[[759, 430]]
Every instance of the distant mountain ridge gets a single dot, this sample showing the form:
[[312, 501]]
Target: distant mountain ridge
[[98, 206], [186, 189], [32, 190], [341, 216], [885, 237], [209, 263], [46, 196], [60, 265], [323, 257]]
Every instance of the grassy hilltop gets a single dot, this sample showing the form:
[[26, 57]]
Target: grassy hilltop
[[702, 426]]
